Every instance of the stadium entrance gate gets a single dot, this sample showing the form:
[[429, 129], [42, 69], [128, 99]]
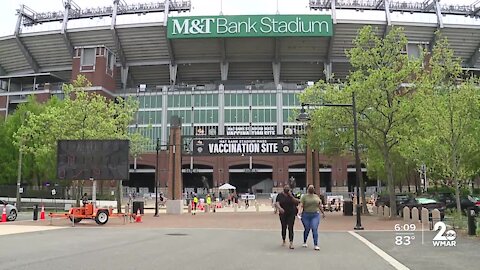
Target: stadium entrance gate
[[255, 179]]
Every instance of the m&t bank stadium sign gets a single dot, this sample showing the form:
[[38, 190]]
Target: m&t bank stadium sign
[[242, 146], [250, 26]]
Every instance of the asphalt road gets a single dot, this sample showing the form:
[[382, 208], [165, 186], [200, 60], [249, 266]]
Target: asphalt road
[[25, 215], [423, 255], [127, 248], [160, 248]]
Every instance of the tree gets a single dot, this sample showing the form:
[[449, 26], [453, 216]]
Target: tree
[[9, 156], [81, 115], [381, 71], [449, 120]]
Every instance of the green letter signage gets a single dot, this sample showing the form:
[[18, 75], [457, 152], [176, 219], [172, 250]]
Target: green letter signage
[[250, 26]]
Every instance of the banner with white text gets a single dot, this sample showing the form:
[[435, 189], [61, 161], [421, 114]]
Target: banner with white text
[[240, 147]]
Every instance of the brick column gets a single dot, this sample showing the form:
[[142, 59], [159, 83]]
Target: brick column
[[175, 184], [316, 172], [309, 166]]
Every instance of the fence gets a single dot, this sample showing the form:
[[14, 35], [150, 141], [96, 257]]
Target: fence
[[61, 192]]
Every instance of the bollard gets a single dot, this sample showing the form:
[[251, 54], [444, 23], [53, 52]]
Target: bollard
[[374, 210], [35, 212], [207, 206], [425, 216], [235, 207], [380, 211], [414, 215], [257, 207], [406, 214], [189, 206], [472, 226], [435, 217], [386, 212]]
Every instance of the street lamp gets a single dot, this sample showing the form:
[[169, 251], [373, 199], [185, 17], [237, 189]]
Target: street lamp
[[304, 117], [157, 148]]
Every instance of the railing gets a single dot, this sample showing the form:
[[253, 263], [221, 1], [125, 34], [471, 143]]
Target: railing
[[32, 17], [425, 6]]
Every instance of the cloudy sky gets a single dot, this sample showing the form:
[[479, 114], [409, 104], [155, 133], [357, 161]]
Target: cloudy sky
[[8, 7]]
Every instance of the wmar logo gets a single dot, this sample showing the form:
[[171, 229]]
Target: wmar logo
[[444, 238], [192, 26]]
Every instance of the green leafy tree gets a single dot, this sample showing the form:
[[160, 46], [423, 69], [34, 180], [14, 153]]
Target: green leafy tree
[[449, 120], [81, 115], [9, 156], [381, 69]]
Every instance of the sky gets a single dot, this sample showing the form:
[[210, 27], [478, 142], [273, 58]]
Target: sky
[[208, 7]]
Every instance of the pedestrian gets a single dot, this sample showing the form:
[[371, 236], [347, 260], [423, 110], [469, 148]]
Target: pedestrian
[[209, 202], [274, 200], [311, 206], [286, 204], [85, 199], [195, 202], [214, 200]]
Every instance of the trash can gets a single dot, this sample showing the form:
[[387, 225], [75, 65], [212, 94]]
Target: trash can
[[348, 208], [472, 226], [35, 212], [138, 205]]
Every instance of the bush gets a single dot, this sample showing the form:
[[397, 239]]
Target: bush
[[442, 189], [451, 190], [455, 219]]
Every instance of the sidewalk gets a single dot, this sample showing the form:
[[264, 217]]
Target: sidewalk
[[246, 219]]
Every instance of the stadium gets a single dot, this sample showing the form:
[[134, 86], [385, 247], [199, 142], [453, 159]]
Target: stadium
[[233, 80]]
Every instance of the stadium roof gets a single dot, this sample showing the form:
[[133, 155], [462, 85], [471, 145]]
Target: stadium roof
[[145, 49]]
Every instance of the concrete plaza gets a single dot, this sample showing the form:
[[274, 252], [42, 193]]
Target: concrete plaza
[[247, 240]]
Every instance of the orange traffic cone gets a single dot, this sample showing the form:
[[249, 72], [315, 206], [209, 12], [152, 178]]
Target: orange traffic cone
[[138, 217], [42, 214], [4, 214]]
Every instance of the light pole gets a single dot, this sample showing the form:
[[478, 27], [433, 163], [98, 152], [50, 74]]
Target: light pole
[[157, 148], [304, 117]]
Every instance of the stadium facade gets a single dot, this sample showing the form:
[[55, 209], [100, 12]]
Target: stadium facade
[[233, 80]]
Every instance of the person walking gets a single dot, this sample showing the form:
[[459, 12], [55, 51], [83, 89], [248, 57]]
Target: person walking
[[311, 206], [274, 200], [209, 202], [195, 202], [286, 204]]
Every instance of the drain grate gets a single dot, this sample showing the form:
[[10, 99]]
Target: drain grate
[[176, 234]]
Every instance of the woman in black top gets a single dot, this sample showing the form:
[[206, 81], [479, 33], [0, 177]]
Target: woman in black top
[[286, 204]]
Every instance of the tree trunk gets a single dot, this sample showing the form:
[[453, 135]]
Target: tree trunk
[[408, 181], [77, 193], [119, 196], [457, 194], [416, 185], [455, 178], [390, 182], [362, 193]]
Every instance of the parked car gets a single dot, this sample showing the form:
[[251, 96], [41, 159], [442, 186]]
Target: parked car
[[384, 200], [11, 210], [466, 202], [423, 202]]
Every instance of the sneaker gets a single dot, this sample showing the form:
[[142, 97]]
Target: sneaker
[[291, 246], [284, 243], [317, 248], [305, 245]]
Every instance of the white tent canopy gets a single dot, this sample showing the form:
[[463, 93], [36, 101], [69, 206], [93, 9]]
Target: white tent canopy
[[227, 186]]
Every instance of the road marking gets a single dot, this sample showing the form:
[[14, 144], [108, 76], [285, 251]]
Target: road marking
[[14, 229], [396, 264]]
